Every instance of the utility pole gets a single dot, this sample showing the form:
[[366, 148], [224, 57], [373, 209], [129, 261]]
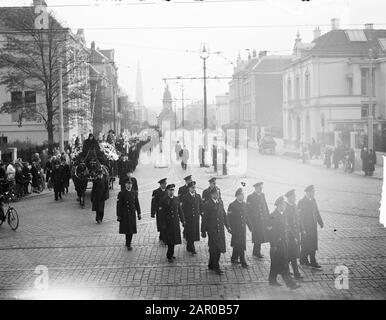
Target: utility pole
[[204, 54], [183, 116], [60, 101], [370, 119]]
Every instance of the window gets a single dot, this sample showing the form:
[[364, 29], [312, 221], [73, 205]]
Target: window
[[297, 89], [365, 111], [307, 86], [17, 102], [365, 83], [356, 35], [289, 89], [349, 85], [382, 42]]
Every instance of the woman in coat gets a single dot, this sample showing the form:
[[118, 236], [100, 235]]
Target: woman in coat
[[237, 218], [127, 208], [169, 220], [99, 194]]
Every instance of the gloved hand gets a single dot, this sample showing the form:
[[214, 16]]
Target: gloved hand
[[139, 217]]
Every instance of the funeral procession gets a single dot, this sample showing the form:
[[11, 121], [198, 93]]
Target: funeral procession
[[149, 155]]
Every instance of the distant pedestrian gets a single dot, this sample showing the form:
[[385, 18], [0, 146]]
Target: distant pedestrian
[[66, 175], [177, 150], [127, 209], [309, 219], [213, 222], [365, 160], [351, 159], [279, 246], [372, 161], [99, 194], [170, 218], [185, 158], [258, 214], [238, 220], [156, 197], [191, 206], [327, 157], [57, 179]]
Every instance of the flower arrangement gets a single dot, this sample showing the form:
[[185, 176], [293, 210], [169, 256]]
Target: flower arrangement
[[109, 150]]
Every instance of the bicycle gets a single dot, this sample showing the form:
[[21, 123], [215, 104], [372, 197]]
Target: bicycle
[[11, 214]]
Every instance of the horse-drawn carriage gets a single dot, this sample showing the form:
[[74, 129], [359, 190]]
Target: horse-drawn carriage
[[88, 163]]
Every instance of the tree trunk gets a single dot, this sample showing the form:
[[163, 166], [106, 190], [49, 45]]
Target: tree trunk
[[50, 129]]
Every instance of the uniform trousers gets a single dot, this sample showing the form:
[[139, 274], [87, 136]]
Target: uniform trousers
[[129, 237], [170, 252], [214, 259], [238, 253], [99, 215]]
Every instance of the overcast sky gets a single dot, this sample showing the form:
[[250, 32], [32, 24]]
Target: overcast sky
[[152, 32]]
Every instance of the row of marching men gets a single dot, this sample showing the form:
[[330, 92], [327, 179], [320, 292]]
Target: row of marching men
[[290, 229]]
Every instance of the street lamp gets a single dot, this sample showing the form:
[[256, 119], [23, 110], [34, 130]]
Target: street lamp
[[204, 54], [370, 119]]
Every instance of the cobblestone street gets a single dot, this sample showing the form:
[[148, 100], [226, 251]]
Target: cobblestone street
[[86, 260]]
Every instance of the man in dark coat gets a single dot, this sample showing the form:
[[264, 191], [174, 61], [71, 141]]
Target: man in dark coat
[[191, 207], [278, 239], [258, 214], [372, 160], [156, 197], [213, 221], [169, 219], [127, 208], [99, 194], [57, 179], [66, 175], [237, 218], [206, 192], [182, 191], [309, 219], [365, 160], [291, 216]]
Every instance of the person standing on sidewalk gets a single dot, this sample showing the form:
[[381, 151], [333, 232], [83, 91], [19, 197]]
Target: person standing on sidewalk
[[372, 160], [156, 197], [182, 191], [177, 150], [206, 192], [237, 218], [99, 194], [278, 239], [291, 216], [170, 218], [191, 207], [258, 213], [185, 158], [57, 179], [127, 208], [309, 219], [213, 222]]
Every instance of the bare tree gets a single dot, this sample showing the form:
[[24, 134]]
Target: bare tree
[[30, 60]]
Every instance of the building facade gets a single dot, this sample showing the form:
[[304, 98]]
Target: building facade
[[327, 88]]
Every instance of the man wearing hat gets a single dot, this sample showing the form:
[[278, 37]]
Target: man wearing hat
[[206, 192], [127, 208], [258, 214], [237, 218], [157, 195], [191, 207], [183, 190], [309, 219], [99, 194], [291, 216], [213, 221], [170, 218], [123, 169], [57, 179], [278, 252]]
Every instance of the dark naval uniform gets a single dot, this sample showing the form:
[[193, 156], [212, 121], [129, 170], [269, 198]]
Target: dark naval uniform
[[291, 216], [191, 206], [213, 221], [169, 220], [309, 219], [258, 214], [127, 208], [157, 195], [206, 193], [182, 191], [237, 218]]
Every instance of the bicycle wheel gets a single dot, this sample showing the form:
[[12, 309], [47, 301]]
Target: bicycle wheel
[[13, 218]]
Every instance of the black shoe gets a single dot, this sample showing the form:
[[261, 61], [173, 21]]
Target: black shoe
[[218, 271], [129, 248], [174, 258], [316, 265], [260, 256], [193, 251], [56, 199], [274, 283], [170, 260], [305, 263], [234, 261], [210, 268], [245, 265]]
